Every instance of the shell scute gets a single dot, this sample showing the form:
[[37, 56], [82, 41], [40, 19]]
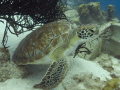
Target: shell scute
[[56, 30], [39, 56], [32, 59], [46, 27], [56, 41], [42, 41], [47, 50], [66, 28], [65, 36]]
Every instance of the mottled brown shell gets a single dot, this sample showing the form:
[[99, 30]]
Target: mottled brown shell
[[42, 41]]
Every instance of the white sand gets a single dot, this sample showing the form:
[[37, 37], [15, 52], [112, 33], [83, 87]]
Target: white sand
[[78, 66]]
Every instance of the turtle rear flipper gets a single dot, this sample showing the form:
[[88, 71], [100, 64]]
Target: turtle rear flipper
[[54, 75]]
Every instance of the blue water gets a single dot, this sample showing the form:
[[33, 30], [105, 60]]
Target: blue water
[[104, 4], [116, 3]]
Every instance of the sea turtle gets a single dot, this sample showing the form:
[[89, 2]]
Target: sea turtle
[[49, 44]]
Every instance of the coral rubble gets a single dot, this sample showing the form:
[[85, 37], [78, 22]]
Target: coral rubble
[[84, 81]]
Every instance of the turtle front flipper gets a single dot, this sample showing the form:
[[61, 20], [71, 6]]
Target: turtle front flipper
[[54, 75]]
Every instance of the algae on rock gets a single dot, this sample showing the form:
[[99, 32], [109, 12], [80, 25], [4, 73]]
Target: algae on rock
[[91, 13]]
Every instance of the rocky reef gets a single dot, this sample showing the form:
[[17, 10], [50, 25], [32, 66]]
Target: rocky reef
[[113, 84], [7, 68], [72, 15], [111, 9], [91, 12]]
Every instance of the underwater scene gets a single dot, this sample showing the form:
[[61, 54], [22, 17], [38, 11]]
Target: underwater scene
[[76, 50]]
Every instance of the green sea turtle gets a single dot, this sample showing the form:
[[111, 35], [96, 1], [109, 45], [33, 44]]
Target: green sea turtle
[[50, 44]]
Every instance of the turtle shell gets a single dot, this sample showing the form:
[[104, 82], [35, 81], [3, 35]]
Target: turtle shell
[[43, 41]]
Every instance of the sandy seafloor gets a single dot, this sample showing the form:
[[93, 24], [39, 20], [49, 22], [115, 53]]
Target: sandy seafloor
[[78, 66]]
